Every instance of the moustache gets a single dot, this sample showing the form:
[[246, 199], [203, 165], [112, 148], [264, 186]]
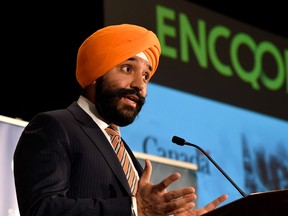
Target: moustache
[[123, 92]]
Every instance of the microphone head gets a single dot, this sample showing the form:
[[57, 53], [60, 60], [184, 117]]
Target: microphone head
[[178, 140]]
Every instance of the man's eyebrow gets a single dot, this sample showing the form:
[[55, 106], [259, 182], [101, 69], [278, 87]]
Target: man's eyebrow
[[133, 59]]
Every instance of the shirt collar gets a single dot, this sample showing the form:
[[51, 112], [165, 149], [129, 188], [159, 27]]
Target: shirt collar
[[91, 110]]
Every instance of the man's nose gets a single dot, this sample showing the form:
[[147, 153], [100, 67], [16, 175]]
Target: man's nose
[[138, 82]]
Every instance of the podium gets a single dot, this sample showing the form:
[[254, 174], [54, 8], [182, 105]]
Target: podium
[[272, 203]]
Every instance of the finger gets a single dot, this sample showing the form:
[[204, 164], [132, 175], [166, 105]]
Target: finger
[[184, 208], [181, 204], [212, 205], [176, 194], [146, 175], [167, 181]]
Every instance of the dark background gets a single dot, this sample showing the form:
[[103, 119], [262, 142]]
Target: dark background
[[40, 42]]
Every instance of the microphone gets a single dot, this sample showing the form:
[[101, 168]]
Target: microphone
[[182, 142]]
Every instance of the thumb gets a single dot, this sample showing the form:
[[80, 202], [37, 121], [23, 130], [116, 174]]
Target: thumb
[[146, 175]]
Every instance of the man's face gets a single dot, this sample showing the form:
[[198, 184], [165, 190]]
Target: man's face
[[121, 92]]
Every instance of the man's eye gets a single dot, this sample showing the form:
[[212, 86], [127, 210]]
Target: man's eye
[[126, 68], [146, 76]]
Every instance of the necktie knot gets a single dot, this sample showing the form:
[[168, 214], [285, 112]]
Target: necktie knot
[[112, 130]]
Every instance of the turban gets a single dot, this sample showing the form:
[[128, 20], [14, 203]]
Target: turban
[[110, 46]]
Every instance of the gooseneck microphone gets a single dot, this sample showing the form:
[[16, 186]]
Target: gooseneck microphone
[[182, 142]]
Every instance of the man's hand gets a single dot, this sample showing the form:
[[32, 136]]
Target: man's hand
[[209, 207], [155, 200]]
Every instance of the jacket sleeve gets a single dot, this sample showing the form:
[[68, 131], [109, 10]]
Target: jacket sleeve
[[42, 168]]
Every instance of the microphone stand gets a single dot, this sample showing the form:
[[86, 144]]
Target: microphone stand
[[181, 142]]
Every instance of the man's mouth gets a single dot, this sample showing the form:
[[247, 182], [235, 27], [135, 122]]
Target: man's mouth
[[131, 100], [132, 97]]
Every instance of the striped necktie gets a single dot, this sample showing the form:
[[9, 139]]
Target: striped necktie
[[122, 155]]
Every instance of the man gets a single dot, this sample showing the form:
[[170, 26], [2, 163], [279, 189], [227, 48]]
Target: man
[[65, 162]]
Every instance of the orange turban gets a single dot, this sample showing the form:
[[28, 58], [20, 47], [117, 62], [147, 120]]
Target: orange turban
[[110, 46]]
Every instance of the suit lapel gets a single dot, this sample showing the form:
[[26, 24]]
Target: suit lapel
[[96, 136]]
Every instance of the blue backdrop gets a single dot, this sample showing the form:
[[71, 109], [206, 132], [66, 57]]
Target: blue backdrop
[[252, 148]]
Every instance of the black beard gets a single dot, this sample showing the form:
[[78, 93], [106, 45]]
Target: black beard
[[107, 103]]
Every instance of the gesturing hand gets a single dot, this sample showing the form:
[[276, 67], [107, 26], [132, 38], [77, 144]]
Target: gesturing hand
[[155, 200], [209, 207]]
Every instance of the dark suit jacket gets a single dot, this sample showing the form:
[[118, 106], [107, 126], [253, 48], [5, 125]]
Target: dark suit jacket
[[64, 165]]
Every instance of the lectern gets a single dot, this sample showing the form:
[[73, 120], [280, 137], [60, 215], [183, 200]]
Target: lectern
[[272, 203]]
